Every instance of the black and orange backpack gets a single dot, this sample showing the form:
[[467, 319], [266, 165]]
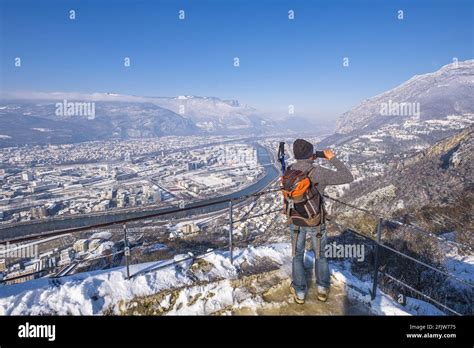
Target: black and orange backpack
[[302, 201]]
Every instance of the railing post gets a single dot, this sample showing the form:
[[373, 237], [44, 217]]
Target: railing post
[[376, 261], [126, 249], [231, 223]]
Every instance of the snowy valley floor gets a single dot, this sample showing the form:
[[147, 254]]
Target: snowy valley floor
[[257, 283]]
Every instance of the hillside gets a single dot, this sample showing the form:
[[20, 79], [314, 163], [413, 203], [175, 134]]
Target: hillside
[[433, 188]]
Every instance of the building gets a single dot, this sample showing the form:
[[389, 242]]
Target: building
[[19, 277], [190, 228], [47, 260], [121, 202], [30, 266], [107, 194], [80, 246], [147, 190], [27, 176], [124, 176], [38, 212], [132, 200], [3, 266], [53, 208], [157, 196], [67, 256], [38, 186], [194, 165], [94, 244], [102, 206]]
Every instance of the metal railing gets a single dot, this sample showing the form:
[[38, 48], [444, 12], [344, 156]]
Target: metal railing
[[377, 243]]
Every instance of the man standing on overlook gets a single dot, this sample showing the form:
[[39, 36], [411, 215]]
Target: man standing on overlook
[[303, 186]]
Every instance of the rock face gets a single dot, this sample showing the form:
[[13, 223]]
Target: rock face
[[454, 151], [448, 91]]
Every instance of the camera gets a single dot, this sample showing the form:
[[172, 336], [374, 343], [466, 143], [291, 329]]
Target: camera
[[319, 154]]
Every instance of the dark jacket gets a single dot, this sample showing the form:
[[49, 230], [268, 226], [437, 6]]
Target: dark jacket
[[323, 176]]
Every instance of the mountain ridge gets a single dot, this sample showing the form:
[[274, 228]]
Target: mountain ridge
[[449, 90]]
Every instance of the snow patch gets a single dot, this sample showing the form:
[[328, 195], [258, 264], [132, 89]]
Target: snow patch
[[95, 292]]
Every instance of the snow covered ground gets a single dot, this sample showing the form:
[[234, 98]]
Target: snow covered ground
[[460, 265], [382, 304], [211, 286]]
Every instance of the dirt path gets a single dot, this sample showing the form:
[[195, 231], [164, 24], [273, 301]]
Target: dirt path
[[279, 302], [261, 289]]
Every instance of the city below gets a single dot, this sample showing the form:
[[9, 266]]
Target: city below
[[74, 184]]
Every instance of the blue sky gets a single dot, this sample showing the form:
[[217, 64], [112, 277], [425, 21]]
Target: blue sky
[[283, 62]]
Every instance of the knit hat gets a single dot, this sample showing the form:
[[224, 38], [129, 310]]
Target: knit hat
[[302, 149]]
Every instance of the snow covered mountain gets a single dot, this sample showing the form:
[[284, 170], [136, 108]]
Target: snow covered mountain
[[407, 119], [39, 122], [211, 114], [119, 116], [448, 91]]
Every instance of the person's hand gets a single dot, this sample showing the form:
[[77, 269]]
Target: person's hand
[[329, 154]]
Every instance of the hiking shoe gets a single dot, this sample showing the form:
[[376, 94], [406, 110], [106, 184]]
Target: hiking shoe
[[298, 296], [322, 293]]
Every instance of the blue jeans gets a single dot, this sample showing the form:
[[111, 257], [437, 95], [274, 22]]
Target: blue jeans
[[321, 264]]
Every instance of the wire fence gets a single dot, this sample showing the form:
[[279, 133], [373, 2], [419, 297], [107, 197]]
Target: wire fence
[[389, 219]]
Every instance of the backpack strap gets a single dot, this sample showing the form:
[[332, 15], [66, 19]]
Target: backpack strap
[[309, 171], [289, 206], [290, 203], [323, 211]]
